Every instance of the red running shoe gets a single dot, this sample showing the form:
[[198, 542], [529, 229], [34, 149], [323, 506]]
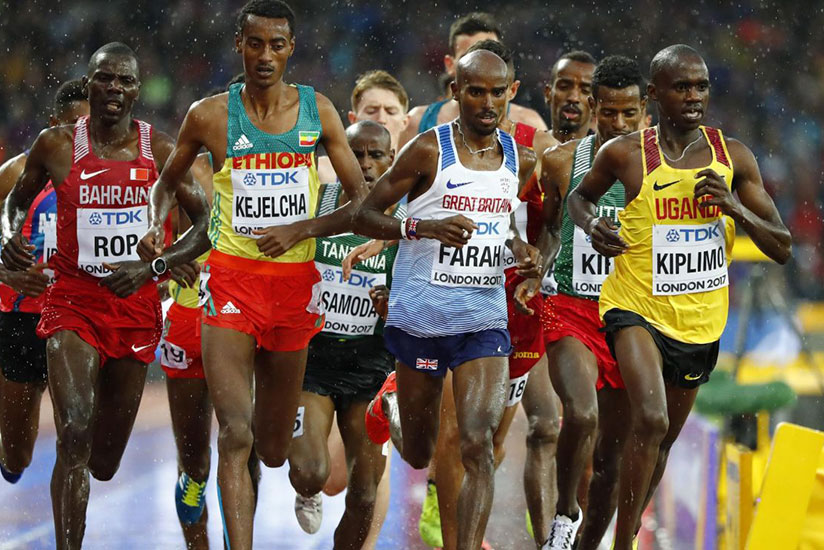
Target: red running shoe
[[377, 424]]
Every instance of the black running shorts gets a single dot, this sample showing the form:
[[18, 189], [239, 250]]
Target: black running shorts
[[685, 365], [22, 353], [347, 370]]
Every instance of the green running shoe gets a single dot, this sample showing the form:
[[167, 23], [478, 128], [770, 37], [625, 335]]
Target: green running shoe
[[429, 526]]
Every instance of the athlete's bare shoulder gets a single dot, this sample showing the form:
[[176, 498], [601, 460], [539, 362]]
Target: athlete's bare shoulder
[[738, 151], [525, 115], [542, 141], [210, 113], [10, 172], [559, 155], [162, 146], [622, 151], [422, 146]]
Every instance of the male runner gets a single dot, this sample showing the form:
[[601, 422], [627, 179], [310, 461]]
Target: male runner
[[23, 354], [665, 303], [447, 307], [567, 95], [101, 169], [377, 96], [262, 298], [347, 362], [527, 351], [463, 33], [579, 359]]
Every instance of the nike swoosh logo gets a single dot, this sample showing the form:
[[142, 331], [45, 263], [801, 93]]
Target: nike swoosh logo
[[141, 348], [659, 187], [85, 176], [692, 377], [450, 185]]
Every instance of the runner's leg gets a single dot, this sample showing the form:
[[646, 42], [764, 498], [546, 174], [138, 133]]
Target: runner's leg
[[366, 463], [19, 421], [540, 476], [228, 360], [191, 412], [479, 388], [419, 400], [309, 452], [73, 369], [613, 412], [640, 363]]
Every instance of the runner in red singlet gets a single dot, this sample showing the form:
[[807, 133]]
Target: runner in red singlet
[[102, 169]]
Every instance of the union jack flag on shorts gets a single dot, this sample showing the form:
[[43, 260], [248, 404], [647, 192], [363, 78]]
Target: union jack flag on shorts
[[426, 364]]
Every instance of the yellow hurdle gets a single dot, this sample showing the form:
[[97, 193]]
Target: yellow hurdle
[[739, 496], [785, 493]]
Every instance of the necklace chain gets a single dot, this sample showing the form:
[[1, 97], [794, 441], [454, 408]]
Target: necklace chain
[[683, 152], [468, 148]]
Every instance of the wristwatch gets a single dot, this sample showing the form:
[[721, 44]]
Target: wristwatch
[[159, 266]]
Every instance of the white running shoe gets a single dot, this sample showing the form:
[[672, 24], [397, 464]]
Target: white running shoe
[[309, 512], [563, 531]]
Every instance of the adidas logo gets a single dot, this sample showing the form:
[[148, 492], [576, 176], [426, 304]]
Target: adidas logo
[[229, 308], [242, 143]]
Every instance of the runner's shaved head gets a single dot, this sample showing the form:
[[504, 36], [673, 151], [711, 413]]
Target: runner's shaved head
[[369, 129], [480, 62], [673, 57]]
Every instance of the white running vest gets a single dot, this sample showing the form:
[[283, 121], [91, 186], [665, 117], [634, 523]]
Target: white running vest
[[439, 290]]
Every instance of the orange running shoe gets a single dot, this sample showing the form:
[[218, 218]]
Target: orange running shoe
[[377, 424]]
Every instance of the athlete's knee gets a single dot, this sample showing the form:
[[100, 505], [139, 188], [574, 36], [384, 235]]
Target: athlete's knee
[[361, 497], [582, 419], [74, 439], [102, 469], [308, 476], [477, 450], [18, 457], [236, 436], [651, 424], [543, 431]]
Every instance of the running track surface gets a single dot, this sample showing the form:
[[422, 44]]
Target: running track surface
[[136, 509]]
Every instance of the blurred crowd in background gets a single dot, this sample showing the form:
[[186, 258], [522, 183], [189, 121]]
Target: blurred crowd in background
[[766, 62]]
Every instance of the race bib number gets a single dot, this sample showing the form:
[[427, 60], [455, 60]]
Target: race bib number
[[689, 258], [266, 198], [346, 304], [297, 431], [172, 356], [108, 235], [517, 387], [477, 264], [589, 268]]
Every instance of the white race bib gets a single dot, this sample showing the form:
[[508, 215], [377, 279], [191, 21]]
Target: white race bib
[[347, 304], [49, 229], [689, 258], [479, 263], [266, 198], [589, 268], [108, 235], [515, 391], [520, 223], [172, 356]]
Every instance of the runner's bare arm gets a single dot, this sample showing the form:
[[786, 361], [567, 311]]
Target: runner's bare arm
[[755, 213], [174, 173], [411, 174], [582, 202], [528, 257], [16, 253], [10, 172], [278, 239]]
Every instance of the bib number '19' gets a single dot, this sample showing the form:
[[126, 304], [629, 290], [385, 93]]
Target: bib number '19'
[[687, 259], [108, 235], [266, 198]]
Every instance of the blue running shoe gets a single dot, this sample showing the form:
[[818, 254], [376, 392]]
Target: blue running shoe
[[10, 477], [190, 498]]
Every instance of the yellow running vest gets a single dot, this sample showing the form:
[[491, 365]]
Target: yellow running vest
[[674, 273]]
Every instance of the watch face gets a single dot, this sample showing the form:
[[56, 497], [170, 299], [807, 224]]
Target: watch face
[[159, 266]]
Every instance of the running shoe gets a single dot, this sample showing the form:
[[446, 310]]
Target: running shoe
[[563, 531], [8, 476], [190, 498], [377, 421], [529, 525], [429, 526], [309, 512]]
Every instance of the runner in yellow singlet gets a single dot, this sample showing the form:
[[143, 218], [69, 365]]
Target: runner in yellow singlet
[[665, 303]]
